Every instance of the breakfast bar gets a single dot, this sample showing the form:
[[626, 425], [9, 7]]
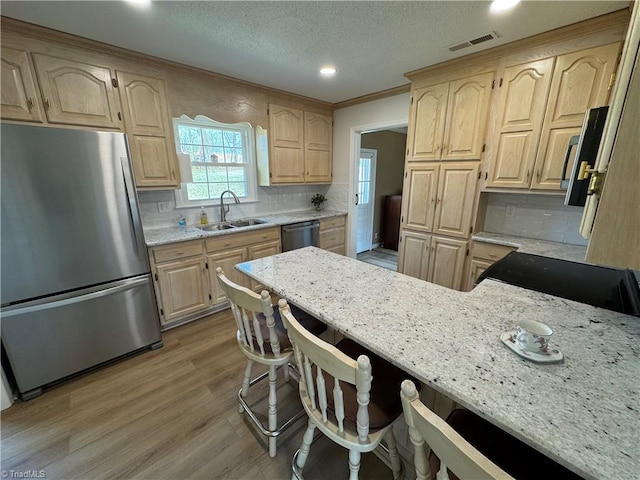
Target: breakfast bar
[[583, 413]]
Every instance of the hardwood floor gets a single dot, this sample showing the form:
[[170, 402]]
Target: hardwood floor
[[165, 414]]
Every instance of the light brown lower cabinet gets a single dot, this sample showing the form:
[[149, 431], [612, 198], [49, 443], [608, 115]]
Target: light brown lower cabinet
[[180, 280], [432, 258], [483, 255], [184, 273], [332, 234]]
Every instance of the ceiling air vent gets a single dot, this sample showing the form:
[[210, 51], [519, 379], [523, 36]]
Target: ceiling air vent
[[482, 38]]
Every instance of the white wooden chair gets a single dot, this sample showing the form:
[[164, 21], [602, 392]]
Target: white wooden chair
[[339, 398], [466, 446], [454, 452], [263, 339]]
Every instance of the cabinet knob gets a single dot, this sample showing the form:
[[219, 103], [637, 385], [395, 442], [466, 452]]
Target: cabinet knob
[[30, 103], [46, 104]]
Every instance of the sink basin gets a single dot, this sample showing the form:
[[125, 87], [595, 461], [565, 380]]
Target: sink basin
[[246, 223], [213, 227]]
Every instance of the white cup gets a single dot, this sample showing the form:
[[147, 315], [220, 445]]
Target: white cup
[[533, 336]]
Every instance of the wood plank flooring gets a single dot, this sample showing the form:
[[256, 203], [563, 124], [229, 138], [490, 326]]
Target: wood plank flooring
[[165, 414]]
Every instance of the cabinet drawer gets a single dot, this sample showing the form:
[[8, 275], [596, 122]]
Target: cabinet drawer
[[327, 223], [241, 239], [174, 252], [332, 238], [490, 251]]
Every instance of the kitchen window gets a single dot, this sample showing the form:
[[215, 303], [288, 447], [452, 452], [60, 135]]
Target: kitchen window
[[221, 157]]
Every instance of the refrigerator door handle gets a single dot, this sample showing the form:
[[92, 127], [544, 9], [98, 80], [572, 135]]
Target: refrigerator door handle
[[573, 141], [70, 299], [134, 215]]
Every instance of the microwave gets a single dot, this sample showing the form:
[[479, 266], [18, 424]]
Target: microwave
[[586, 150]]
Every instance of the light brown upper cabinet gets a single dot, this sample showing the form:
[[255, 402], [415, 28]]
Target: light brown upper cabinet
[[541, 105], [581, 80], [300, 146], [20, 98], [318, 145], [77, 93], [523, 91], [447, 120], [146, 119], [440, 197]]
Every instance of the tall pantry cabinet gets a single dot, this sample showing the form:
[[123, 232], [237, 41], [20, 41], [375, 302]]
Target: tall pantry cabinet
[[445, 144], [500, 121]]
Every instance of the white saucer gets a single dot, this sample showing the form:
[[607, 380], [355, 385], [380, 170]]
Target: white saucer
[[554, 356]]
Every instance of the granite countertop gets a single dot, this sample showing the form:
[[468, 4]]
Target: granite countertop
[[564, 251], [583, 413], [162, 236]]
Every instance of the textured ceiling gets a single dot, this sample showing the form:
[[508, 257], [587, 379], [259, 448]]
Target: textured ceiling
[[283, 44]]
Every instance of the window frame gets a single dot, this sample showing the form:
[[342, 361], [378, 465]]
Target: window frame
[[249, 152]]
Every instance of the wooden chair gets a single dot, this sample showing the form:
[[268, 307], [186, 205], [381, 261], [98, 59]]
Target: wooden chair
[[466, 446], [357, 414], [454, 452], [263, 339]]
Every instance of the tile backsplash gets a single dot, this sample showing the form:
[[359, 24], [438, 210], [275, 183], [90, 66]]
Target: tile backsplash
[[270, 200], [544, 217]]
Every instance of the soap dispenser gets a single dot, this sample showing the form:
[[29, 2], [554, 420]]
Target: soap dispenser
[[203, 216], [182, 223]]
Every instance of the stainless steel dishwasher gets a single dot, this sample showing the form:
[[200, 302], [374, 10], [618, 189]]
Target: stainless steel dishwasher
[[298, 235]]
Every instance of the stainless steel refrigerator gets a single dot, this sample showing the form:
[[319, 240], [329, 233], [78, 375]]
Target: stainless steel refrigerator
[[75, 287]]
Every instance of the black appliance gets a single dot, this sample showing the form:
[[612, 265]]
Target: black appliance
[[604, 287], [587, 144]]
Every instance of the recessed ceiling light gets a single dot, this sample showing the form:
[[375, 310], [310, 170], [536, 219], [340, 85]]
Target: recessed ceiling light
[[503, 5], [139, 3], [328, 71]]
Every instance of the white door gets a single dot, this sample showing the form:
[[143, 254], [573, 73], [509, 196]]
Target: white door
[[365, 198]]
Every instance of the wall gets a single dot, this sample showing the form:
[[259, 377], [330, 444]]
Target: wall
[[389, 171], [377, 115], [544, 217]]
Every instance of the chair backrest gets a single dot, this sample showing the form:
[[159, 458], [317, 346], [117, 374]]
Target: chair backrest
[[454, 452], [247, 306], [311, 354]]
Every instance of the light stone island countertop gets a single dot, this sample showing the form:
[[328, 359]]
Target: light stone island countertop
[[583, 413], [162, 236], [564, 251]]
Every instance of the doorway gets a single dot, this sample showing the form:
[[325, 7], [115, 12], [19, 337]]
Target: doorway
[[389, 143], [364, 199]]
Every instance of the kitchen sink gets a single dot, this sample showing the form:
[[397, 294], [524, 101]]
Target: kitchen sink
[[247, 222], [213, 227]]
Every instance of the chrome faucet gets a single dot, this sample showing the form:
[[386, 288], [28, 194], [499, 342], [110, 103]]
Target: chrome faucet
[[225, 209]]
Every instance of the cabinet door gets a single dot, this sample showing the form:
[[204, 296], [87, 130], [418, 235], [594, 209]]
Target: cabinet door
[[421, 183], [20, 99], [523, 93], [580, 81], [318, 146], [476, 267], [427, 119], [454, 204], [467, 111], [146, 119], [447, 262], [413, 257], [286, 144], [260, 251], [183, 288], [226, 260], [77, 93]]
